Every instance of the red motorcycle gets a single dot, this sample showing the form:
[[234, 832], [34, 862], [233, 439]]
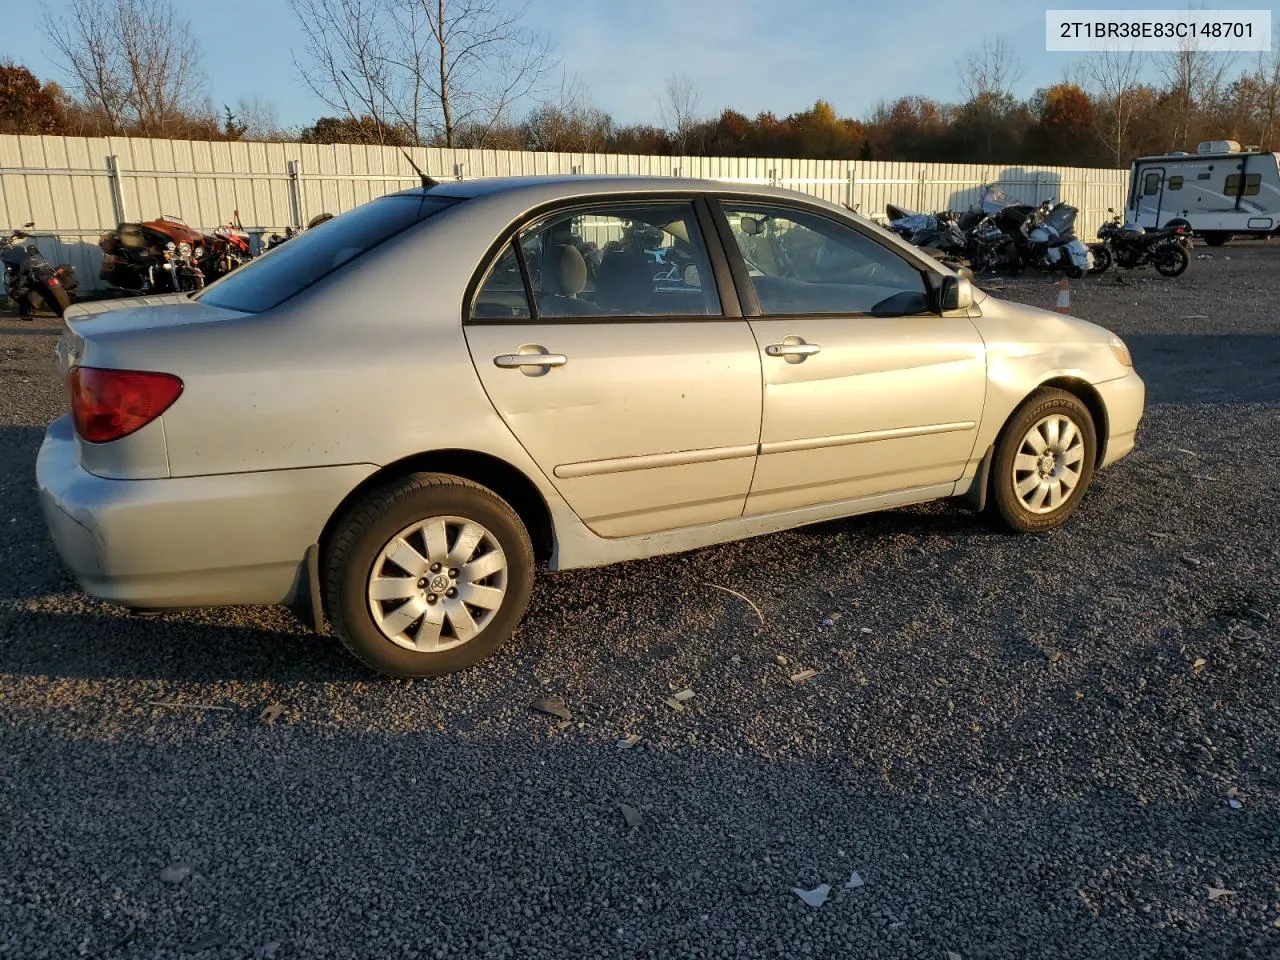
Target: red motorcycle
[[166, 255]]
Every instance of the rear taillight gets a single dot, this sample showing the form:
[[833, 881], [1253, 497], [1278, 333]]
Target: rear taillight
[[109, 404]]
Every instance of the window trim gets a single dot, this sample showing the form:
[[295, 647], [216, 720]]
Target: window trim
[[930, 278], [730, 308]]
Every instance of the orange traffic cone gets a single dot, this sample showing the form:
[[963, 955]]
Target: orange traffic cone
[[1064, 297]]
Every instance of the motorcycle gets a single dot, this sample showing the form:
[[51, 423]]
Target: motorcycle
[[29, 280], [991, 249], [1130, 245], [275, 239], [165, 255], [1051, 242]]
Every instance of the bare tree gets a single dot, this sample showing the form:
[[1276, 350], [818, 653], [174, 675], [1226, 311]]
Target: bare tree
[[135, 61], [567, 123], [438, 70], [1111, 76], [990, 71], [1194, 77], [678, 109], [987, 77]]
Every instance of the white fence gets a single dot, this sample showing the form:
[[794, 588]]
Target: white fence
[[74, 188]]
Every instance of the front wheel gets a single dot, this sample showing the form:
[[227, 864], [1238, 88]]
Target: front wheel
[[1043, 461], [1170, 260], [1101, 258], [427, 576], [55, 298]]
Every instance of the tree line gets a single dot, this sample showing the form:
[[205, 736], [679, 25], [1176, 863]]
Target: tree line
[[468, 73]]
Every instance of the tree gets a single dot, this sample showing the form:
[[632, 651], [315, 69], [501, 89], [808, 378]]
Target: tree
[[133, 61], [678, 109], [567, 124], [1113, 75], [1064, 125], [1194, 77], [26, 106], [987, 76], [432, 69]]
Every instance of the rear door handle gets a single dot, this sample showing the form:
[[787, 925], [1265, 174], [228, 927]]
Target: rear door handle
[[511, 361], [531, 359], [792, 349]]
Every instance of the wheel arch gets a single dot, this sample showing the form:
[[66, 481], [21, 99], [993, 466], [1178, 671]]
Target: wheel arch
[[502, 478], [1087, 394]]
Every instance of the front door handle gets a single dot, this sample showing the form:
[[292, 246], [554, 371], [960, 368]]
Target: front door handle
[[531, 359], [792, 349]]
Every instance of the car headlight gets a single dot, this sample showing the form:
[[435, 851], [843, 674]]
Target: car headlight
[[1120, 351]]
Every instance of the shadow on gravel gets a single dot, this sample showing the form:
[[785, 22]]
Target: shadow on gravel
[[201, 646], [1208, 369], [29, 331]]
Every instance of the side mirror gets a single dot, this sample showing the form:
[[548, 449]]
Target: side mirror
[[957, 293]]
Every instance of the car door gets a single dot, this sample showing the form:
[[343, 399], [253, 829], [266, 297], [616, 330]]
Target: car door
[[867, 389], [602, 339], [1150, 196]]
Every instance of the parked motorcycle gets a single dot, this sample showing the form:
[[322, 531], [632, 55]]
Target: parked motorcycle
[[29, 280], [1131, 245], [1051, 242], [991, 249], [275, 239], [165, 255]]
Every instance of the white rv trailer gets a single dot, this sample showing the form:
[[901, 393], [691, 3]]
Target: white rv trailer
[[1218, 192]]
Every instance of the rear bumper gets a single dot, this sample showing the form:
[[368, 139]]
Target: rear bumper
[[1125, 400], [186, 541]]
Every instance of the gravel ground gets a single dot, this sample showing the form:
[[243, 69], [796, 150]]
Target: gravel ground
[[1065, 745]]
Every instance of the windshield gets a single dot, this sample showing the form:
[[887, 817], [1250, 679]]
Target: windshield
[[318, 251]]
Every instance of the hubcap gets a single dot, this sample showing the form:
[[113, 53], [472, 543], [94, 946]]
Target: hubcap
[[1046, 468], [437, 584]]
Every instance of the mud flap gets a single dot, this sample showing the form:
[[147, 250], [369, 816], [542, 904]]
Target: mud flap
[[306, 605], [976, 497]]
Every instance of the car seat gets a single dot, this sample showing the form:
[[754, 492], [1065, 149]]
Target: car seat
[[564, 276]]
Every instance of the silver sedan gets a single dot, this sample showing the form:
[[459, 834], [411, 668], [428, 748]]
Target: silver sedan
[[392, 420]]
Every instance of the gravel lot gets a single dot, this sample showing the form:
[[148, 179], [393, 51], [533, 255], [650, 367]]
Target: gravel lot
[[1057, 746]]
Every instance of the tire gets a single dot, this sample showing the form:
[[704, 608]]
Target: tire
[[1043, 405], [1216, 238], [55, 298], [1171, 260], [1101, 258], [1074, 272], [357, 556]]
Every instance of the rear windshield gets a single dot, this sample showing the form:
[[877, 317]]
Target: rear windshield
[[315, 253]]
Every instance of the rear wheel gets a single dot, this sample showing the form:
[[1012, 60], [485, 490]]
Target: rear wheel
[[1044, 461], [55, 298], [1170, 259], [428, 576]]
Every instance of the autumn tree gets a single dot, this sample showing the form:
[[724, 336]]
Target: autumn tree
[[27, 106], [1064, 125]]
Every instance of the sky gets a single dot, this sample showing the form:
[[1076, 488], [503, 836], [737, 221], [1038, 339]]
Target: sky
[[753, 55]]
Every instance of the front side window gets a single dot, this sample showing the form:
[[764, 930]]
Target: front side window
[[318, 251], [1152, 185], [803, 263], [619, 260]]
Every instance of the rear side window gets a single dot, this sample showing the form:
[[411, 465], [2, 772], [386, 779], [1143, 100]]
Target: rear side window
[[1175, 183], [317, 252]]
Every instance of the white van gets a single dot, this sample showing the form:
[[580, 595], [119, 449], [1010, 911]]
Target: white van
[[1218, 192]]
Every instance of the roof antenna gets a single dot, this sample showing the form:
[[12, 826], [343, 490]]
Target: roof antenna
[[427, 182]]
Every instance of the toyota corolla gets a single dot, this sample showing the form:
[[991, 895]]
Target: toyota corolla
[[393, 420]]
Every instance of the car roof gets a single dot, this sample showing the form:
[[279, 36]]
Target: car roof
[[565, 186]]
